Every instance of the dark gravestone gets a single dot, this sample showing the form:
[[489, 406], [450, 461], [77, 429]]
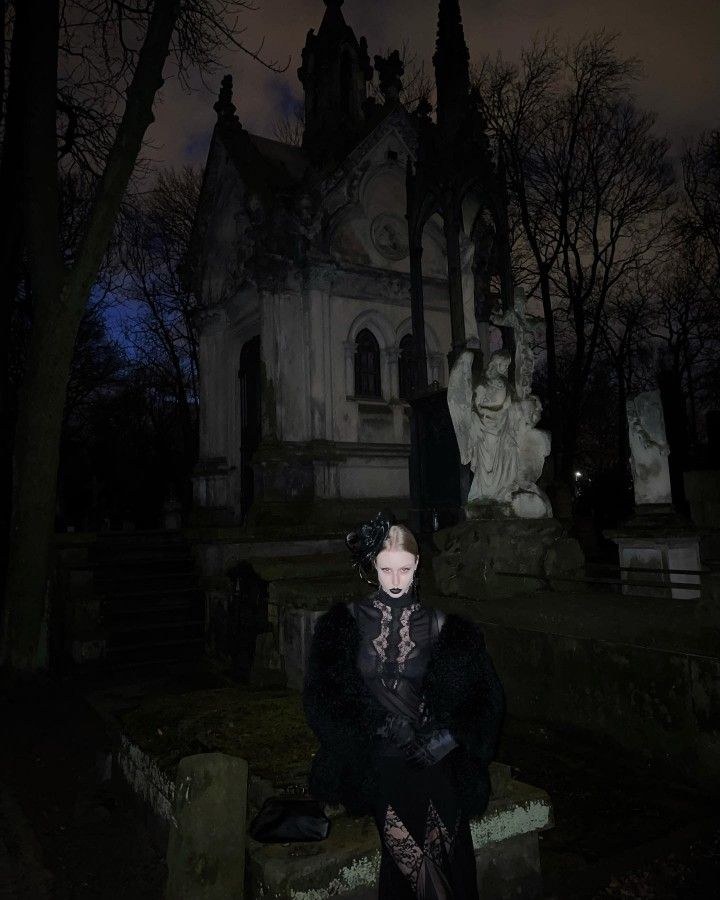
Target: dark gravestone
[[206, 848]]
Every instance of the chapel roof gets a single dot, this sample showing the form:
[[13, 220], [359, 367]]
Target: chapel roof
[[292, 158]]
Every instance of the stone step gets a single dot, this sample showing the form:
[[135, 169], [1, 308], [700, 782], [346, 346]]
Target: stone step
[[316, 565]]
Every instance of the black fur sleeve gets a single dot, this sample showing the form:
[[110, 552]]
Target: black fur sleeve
[[334, 697], [341, 714], [463, 690]]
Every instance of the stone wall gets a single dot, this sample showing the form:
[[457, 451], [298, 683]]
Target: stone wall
[[702, 490], [645, 681]]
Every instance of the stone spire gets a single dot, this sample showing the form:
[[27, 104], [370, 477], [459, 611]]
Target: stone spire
[[452, 66], [390, 72], [334, 74], [224, 107]]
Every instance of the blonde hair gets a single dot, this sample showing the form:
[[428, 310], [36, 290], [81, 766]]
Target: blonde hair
[[399, 537]]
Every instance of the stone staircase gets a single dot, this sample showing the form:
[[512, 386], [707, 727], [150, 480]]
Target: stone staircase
[[151, 603]]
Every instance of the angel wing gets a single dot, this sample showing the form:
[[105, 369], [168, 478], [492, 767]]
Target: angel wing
[[459, 399]]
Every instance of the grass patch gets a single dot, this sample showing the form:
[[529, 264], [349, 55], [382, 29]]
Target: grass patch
[[265, 727]]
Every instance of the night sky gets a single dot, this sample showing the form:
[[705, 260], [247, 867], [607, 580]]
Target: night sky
[[679, 45]]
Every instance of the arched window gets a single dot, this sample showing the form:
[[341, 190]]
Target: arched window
[[407, 367], [367, 365]]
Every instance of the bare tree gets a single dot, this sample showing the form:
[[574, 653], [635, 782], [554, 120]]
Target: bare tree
[[124, 47], [700, 220], [289, 129], [590, 187], [627, 347], [160, 310], [685, 326]]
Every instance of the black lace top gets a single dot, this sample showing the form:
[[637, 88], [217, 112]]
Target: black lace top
[[396, 638]]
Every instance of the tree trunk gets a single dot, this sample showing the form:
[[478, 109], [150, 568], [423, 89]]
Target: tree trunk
[[11, 346], [623, 438], [59, 305], [551, 357], [39, 418]]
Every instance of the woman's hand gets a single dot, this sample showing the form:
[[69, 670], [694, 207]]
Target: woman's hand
[[397, 730], [426, 751]]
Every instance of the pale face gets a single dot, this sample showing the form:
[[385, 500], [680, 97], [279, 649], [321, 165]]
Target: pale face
[[395, 570]]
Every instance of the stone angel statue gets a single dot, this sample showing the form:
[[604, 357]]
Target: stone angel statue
[[497, 437]]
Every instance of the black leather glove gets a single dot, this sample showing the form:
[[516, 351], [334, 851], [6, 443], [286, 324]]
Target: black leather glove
[[397, 730], [427, 750]]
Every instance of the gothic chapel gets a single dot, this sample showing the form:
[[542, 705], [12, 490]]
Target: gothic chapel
[[301, 261]]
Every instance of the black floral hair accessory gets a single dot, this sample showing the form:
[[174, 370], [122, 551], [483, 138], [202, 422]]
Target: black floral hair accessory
[[366, 542]]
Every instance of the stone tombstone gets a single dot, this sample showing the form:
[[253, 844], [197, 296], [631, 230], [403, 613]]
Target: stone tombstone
[[296, 634], [649, 450], [206, 847]]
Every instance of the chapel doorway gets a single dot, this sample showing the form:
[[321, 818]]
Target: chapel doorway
[[250, 419]]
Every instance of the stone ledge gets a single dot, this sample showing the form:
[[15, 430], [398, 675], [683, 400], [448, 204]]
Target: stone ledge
[[349, 860]]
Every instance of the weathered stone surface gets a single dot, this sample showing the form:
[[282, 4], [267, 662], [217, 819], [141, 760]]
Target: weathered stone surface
[[510, 869], [564, 564], [206, 848], [661, 541], [495, 423], [347, 863], [296, 633], [306, 565], [500, 558], [648, 685], [702, 489], [268, 668], [649, 449]]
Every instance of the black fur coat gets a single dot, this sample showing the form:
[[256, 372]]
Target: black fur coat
[[461, 690]]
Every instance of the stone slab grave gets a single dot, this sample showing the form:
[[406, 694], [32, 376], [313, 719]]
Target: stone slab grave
[[300, 590], [659, 549], [158, 753], [346, 865]]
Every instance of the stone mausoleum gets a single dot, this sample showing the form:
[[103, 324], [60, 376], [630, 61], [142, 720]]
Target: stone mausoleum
[[301, 259]]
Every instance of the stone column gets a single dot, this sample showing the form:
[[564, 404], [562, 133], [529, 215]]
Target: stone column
[[349, 348], [418, 310], [271, 389], [390, 375], [457, 309], [212, 385], [317, 374]]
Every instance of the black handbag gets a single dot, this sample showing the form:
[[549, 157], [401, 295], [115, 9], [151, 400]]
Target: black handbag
[[289, 820]]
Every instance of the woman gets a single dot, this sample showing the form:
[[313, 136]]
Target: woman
[[407, 708]]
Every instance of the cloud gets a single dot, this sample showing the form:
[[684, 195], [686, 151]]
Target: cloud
[[677, 44]]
